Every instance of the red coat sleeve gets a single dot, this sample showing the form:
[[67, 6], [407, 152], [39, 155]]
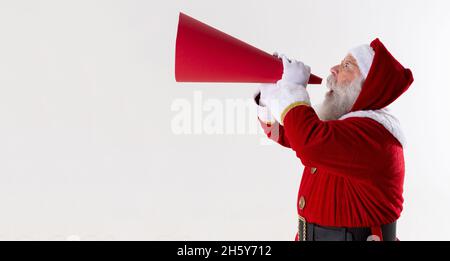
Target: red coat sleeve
[[354, 147]]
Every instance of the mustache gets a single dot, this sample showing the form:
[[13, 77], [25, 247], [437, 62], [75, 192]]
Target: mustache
[[331, 81], [339, 99]]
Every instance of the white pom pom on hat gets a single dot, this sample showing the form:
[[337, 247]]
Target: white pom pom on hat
[[364, 57]]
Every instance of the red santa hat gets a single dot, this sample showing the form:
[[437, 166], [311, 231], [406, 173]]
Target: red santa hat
[[385, 78]]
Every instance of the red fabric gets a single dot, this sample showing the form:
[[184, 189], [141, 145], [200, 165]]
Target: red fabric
[[360, 168], [205, 54], [360, 165], [377, 231], [386, 81]]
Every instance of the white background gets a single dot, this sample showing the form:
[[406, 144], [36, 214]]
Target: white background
[[86, 146]]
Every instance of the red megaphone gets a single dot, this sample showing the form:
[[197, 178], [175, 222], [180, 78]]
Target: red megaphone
[[205, 54]]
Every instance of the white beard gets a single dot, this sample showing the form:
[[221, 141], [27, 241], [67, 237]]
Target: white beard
[[339, 99]]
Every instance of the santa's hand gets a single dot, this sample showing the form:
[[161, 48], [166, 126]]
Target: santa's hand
[[267, 90], [295, 72], [262, 97], [287, 96]]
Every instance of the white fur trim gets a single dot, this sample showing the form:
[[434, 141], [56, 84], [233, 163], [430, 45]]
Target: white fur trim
[[383, 117], [285, 96], [364, 56]]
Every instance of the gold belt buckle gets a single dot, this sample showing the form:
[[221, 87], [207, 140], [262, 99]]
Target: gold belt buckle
[[301, 228]]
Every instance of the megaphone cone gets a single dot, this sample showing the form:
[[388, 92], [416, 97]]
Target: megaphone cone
[[205, 54]]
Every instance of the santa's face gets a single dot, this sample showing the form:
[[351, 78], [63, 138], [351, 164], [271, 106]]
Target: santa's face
[[346, 72], [344, 86]]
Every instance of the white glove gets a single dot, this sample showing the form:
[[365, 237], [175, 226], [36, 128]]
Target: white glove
[[295, 72], [290, 91], [286, 97], [265, 92]]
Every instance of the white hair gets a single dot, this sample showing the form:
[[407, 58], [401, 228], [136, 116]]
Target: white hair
[[339, 99]]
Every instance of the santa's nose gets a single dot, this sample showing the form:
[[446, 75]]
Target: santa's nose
[[334, 70]]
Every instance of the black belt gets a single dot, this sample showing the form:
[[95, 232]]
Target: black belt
[[312, 232]]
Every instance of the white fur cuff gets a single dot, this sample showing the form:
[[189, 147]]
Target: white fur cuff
[[287, 96]]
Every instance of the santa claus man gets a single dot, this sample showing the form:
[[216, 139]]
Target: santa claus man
[[351, 147]]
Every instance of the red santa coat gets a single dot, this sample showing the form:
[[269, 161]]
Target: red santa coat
[[354, 166]]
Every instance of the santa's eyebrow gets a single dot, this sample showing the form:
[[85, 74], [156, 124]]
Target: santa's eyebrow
[[347, 60]]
